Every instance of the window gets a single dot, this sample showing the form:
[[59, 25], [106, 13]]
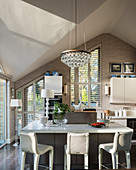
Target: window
[[85, 82], [19, 96], [19, 111], [2, 111], [4, 106], [39, 105], [33, 104], [72, 86], [28, 98], [28, 118]]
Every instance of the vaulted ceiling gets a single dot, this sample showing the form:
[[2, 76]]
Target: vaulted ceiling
[[32, 32]]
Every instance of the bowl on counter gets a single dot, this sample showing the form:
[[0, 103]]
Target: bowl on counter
[[60, 122], [104, 120], [43, 120]]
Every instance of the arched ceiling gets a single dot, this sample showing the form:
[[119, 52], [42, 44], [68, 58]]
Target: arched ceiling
[[32, 32]]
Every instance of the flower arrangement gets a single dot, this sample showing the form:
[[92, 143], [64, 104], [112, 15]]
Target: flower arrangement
[[60, 110]]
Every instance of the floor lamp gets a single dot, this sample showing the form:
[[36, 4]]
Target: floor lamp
[[15, 103], [47, 94]]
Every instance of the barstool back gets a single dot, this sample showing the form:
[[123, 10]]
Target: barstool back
[[28, 142], [122, 141], [77, 143]]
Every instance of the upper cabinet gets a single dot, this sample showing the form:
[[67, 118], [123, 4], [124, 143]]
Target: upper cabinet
[[117, 90], [130, 90], [54, 83], [123, 90]]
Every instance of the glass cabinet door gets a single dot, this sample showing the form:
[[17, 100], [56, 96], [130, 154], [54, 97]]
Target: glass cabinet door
[[2, 111]]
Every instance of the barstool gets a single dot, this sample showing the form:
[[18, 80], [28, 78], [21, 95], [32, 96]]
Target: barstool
[[29, 144], [122, 142], [77, 143]]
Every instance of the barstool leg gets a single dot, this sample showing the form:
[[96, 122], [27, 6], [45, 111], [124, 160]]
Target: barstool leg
[[100, 158], [114, 161], [51, 160], [23, 160], [68, 161], [86, 161], [128, 159], [36, 161], [65, 159]]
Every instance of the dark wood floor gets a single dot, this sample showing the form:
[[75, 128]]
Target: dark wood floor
[[10, 158]]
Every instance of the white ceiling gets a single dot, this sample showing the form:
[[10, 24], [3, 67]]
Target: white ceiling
[[32, 33]]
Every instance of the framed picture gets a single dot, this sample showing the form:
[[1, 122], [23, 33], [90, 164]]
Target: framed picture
[[115, 67], [129, 67]]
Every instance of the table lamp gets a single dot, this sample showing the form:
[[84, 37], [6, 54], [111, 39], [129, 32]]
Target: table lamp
[[15, 103], [47, 94]]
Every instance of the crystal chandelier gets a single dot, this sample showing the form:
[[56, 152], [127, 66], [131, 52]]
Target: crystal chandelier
[[75, 58]]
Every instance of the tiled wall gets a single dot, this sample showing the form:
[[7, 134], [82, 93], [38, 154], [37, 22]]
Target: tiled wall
[[112, 50]]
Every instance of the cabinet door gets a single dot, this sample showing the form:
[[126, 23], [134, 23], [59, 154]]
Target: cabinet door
[[54, 83], [130, 90], [117, 90], [121, 121]]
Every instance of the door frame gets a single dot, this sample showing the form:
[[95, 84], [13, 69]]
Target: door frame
[[6, 108]]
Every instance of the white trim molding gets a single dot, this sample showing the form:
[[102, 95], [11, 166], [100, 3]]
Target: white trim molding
[[10, 140]]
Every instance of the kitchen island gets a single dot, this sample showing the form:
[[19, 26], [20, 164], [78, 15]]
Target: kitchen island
[[57, 137]]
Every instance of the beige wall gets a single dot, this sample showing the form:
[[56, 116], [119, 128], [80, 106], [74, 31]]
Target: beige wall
[[112, 50]]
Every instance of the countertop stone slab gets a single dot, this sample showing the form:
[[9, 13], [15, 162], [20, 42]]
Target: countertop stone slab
[[36, 127]]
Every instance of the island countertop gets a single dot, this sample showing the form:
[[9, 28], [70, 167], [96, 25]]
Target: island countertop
[[36, 127], [56, 136]]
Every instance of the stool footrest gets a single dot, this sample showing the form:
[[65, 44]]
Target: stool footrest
[[108, 166], [44, 166]]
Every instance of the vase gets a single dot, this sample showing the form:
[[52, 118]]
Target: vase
[[60, 118], [60, 122], [43, 120]]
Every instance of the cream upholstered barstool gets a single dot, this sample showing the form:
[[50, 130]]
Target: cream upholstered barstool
[[77, 143], [29, 144], [122, 142]]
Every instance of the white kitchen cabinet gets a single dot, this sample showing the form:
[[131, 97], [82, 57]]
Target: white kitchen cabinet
[[117, 90], [130, 90], [54, 83], [121, 121], [123, 90]]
